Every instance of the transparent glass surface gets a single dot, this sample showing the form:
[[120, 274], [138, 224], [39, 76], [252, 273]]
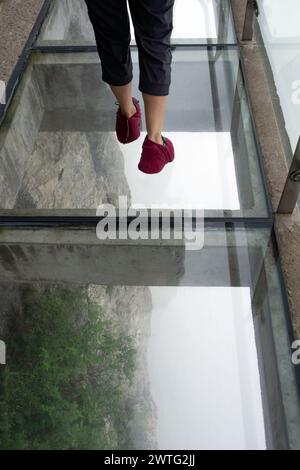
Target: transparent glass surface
[[59, 151], [148, 345], [280, 31], [281, 35], [195, 21], [140, 342]]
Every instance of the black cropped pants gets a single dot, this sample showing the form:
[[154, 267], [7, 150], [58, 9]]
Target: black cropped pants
[[153, 24]]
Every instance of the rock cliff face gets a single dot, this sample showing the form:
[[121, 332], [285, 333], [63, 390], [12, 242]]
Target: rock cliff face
[[17, 139], [58, 149], [128, 311], [129, 308], [68, 20], [73, 170]]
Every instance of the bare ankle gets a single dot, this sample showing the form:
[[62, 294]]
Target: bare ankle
[[156, 137], [128, 113]]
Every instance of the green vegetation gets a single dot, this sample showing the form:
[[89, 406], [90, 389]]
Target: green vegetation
[[63, 385]]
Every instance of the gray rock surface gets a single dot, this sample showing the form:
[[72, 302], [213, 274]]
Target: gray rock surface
[[68, 20], [17, 139], [17, 18], [73, 170], [130, 310]]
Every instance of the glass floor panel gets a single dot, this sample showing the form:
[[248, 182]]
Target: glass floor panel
[[59, 153], [117, 345], [281, 39], [139, 344], [195, 22]]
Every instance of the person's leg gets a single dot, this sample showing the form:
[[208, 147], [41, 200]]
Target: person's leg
[[155, 112], [111, 25], [153, 24], [123, 95]]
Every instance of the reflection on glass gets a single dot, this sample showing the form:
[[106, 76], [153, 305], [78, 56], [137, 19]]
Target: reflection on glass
[[188, 184], [65, 154], [144, 346], [280, 30], [282, 26], [197, 21], [137, 367], [281, 36], [202, 358], [75, 376]]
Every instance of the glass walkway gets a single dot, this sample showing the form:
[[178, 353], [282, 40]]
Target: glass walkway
[[139, 344]]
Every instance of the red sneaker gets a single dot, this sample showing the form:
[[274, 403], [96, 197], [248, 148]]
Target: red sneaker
[[156, 156], [129, 129]]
